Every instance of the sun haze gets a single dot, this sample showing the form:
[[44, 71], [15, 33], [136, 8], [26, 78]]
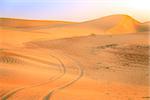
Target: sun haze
[[73, 10]]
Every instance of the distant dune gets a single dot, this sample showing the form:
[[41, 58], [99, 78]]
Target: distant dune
[[114, 24], [144, 27], [18, 37], [126, 24], [24, 30], [22, 23]]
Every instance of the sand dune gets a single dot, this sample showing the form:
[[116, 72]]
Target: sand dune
[[27, 30], [144, 27], [114, 24], [126, 25], [30, 72], [14, 37], [21, 23], [109, 22], [101, 59]]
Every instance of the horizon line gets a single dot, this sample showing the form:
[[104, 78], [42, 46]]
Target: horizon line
[[36, 19]]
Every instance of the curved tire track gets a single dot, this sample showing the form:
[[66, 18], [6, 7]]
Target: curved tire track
[[62, 70], [81, 73]]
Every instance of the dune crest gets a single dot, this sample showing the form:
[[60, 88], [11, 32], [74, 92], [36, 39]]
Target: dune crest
[[114, 24], [126, 25], [23, 23]]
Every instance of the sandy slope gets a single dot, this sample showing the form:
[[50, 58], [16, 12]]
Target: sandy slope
[[18, 30], [114, 24], [72, 63], [113, 67], [21, 23], [144, 27]]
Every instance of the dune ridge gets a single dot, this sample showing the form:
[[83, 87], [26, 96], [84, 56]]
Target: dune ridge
[[113, 24], [25, 30], [24, 23]]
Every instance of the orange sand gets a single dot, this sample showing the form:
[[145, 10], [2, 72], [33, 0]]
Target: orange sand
[[102, 59]]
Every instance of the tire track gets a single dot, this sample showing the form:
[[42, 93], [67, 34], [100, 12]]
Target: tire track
[[9, 60], [81, 73], [6, 56], [48, 96], [2, 93], [61, 69]]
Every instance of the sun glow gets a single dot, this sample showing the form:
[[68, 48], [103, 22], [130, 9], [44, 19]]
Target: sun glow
[[139, 4], [74, 10]]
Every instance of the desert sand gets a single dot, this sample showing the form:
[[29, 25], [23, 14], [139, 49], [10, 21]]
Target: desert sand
[[101, 59]]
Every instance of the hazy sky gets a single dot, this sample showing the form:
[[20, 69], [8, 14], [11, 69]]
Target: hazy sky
[[73, 10]]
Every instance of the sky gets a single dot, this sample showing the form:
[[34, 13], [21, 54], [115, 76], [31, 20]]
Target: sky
[[73, 10]]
